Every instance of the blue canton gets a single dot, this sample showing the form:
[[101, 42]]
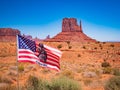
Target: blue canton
[[25, 43]]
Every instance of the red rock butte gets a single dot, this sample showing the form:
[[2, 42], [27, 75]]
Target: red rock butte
[[8, 34], [71, 31]]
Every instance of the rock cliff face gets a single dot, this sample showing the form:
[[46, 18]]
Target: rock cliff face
[[8, 34], [71, 31], [70, 25]]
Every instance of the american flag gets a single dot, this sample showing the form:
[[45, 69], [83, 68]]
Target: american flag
[[27, 52]]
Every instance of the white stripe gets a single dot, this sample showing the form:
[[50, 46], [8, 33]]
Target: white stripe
[[27, 59], [53, 62], [53, 50], [53, 58], [50, 66], [26, 50], [31, 55]]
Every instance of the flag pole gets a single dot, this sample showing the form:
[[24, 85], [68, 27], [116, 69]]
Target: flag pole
[[17, 62]]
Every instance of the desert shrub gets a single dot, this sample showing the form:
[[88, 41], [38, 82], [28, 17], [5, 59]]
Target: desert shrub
[[68, 42], [61, 83], [97, 42], [70, 47], [112, 45], [32, 83], [104, 42], [84, 47], [95, 48], [64, 83], [113, 83], [100, 45], [118, 53], [107, 70], [105, 64], [116, 71], [79, 55], [59, 46], [20, 68], [44, 85]]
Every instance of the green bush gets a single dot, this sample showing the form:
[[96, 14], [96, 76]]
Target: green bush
[[32, 83], [20, 68], [113, 83], [64, 83], [61, 83], [116, 72]]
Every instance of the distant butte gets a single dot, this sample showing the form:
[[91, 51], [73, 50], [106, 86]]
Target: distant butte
[[8, 34], [71, 31]]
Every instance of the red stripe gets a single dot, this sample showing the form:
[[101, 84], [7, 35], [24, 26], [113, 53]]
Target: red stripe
[[28, 52], [30, 57], [49, 52], [52, 55], [51, 59], [26, 61], [52, 62]]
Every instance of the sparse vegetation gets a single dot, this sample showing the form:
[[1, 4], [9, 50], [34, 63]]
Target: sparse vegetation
[[79, 55], [61, 83], [68, 42], [59, 46], [70, 47], [113, 84], [32, 83], [20, 68], [112, 45], [104, 42], [84, 47], [64, 83], [95, 48], [105, 64], [81, 58], [116, 71]]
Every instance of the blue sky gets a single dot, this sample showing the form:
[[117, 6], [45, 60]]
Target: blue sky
[[39, 18]]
